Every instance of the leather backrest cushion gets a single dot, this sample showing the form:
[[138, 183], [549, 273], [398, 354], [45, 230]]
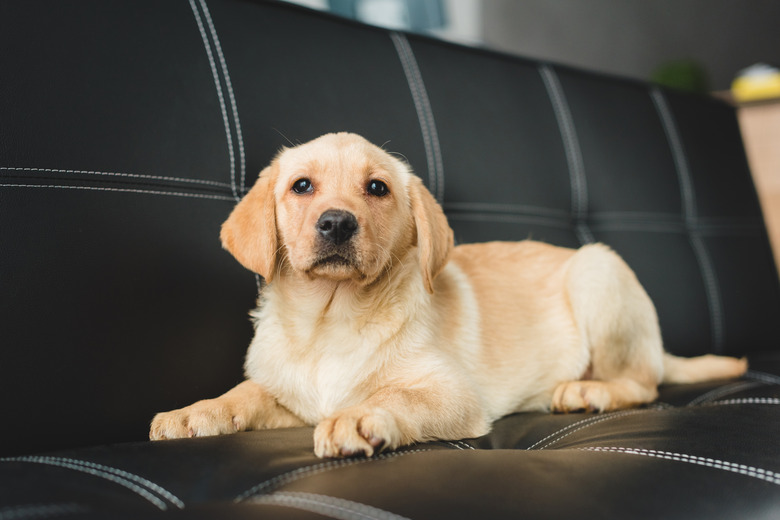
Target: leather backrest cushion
[[129, 130]]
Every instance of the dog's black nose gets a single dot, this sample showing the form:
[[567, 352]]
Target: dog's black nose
[[337, 226]]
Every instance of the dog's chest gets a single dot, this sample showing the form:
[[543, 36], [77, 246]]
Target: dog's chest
[[316, 375]]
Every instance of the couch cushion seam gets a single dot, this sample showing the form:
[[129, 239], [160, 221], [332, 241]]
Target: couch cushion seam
[[573, 152], [750, 471], [139, 485], [220, 96], [689, 211], [306, 471], [231, 96], [425, 118], [585, 423], [725, 390], [327, 505], [120, 190], [119, 175]]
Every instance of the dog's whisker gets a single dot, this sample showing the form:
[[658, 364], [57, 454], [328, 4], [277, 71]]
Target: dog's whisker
[[284, 136]]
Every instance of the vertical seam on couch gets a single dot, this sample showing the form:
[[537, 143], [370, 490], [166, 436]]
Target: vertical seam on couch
[[231, 97], [422, 105], [571, 146], [220, 96], [690, 216], [326, 505]]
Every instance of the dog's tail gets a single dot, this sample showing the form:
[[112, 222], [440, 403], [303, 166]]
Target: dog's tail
[[702, 368]]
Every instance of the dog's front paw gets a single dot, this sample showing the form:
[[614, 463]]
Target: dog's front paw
[[355, 431], [202, 419]]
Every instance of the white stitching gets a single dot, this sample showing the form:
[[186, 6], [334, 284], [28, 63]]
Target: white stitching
[[231, 96], [121, 190], [724, 390], [118, 174], [507, 209], [328, 506], [742, 469], [585, 423], [30, 511], [690, 217], [763, 377], [523, 219], [221, 97], [296, 474], [747, 400], [460, 445], [579, 195], [123, 478], [424, 113]]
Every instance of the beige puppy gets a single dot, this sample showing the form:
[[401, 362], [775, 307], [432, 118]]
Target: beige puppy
[[376, 330]]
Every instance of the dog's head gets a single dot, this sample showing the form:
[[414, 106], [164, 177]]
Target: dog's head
[[337, 208]]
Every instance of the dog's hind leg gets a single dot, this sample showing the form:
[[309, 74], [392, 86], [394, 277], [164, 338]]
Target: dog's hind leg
[[619, 327]]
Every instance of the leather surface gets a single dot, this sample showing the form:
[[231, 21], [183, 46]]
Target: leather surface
[[707, 450], [130, 129]]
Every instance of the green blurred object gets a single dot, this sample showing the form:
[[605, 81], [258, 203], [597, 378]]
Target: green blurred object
[[686, 75]]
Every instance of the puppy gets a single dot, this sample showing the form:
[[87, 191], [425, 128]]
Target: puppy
[[374, 328]]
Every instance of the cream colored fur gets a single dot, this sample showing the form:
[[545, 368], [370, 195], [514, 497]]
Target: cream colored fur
[[408, 339]]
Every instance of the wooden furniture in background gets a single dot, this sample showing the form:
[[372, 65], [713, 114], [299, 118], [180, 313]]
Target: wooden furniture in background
[[760, 124]]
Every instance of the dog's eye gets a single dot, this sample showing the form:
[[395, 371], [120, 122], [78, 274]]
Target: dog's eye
[[377, 188], [302, 186]]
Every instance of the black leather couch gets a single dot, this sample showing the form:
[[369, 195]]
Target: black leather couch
[[128, 130]]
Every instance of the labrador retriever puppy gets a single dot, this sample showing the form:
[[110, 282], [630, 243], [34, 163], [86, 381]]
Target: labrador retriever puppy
[[374, 328]]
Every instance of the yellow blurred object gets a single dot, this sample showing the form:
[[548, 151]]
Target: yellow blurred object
[[756, 83]]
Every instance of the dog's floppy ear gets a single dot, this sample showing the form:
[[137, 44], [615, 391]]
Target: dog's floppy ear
[[249, 233], [434, 235]]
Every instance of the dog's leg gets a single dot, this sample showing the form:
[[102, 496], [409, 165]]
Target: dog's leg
[[619, 327], [246, 407], [396, 416]]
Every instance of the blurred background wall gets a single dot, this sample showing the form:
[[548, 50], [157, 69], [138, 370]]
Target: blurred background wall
[[625, 37]]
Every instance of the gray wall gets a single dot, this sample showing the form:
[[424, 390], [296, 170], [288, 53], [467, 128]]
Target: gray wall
[[632, 37]]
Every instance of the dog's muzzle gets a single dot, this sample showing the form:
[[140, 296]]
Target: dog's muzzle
[[336, 226]]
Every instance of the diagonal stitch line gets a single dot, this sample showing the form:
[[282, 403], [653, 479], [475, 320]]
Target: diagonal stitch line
[[223, 108], [120, 190], [124, 480], [706, 267], [723, 391], [424, 113], [296, 474], [572, 150], [231, 96], [333, 507], [742, 469], [118, 174], [763, 377], [164, 493], [585, 423]]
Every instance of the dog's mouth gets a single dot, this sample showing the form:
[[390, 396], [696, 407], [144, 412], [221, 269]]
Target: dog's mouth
[[335, 261], [336, 266]]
